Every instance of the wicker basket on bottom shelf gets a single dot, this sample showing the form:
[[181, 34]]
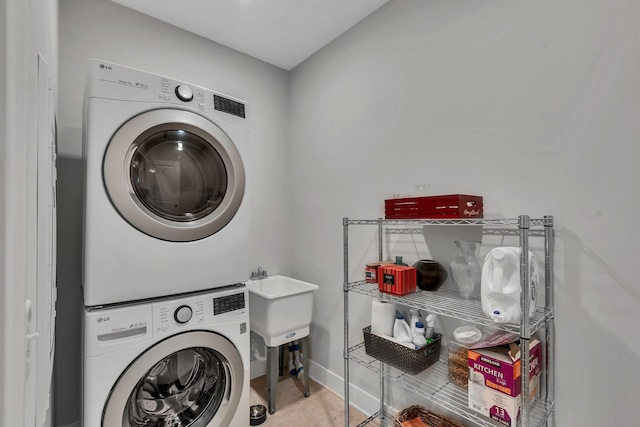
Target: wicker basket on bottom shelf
[[430, 418]]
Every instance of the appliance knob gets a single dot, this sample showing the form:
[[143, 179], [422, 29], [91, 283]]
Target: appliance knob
[[183, 314], [184, 93]]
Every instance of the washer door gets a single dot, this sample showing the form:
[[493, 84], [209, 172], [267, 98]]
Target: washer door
[[174, 175], [177, 384]]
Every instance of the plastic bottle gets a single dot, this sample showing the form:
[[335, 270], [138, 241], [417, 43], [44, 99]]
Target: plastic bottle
[[414, 317], [500, 284], [401, 330], [431, 323], [418, 338]]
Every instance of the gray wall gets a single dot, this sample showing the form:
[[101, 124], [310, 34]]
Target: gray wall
[[533, 105], [105, 30]]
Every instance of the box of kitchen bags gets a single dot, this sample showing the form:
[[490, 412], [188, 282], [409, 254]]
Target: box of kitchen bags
[[494, 376]]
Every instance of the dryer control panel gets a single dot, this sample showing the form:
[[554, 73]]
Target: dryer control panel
[[115, 81], [202, 98]]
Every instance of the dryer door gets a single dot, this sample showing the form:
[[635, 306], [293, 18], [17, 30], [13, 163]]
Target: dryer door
[[178, 384], [174, 175]]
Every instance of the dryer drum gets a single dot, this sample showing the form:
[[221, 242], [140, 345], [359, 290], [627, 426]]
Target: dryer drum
[[178, 176], [174, 175]]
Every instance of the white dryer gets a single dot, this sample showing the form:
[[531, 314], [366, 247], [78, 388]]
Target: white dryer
[[166, 205], [169, 362]]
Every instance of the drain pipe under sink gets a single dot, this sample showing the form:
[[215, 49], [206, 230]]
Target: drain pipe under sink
[[256, 352]]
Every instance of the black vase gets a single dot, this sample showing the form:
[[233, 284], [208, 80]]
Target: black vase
[[430, 274]]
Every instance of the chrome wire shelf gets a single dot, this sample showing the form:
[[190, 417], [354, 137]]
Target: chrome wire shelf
[[450, 305], [497, 222], [433, 384], [495, 231]]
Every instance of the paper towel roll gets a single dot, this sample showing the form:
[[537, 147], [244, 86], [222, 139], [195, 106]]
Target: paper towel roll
[[383, 314]]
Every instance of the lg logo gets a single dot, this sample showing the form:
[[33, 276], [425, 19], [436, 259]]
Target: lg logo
[[103, 319], [105, 67]]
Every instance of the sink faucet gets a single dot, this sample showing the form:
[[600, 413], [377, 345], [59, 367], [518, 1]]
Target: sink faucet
[[260, 274]]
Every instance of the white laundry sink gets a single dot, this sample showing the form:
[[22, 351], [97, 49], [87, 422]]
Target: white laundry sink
[[280, 308]]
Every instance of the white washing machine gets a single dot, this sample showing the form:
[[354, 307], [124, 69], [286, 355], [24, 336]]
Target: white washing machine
[[166, 205], [169, 362]]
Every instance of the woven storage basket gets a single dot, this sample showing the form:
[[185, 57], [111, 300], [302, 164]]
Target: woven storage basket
[[428, 417], [399, 356]]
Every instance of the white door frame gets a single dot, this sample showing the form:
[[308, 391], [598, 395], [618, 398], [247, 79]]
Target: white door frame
[[27, 27], [13, 205]]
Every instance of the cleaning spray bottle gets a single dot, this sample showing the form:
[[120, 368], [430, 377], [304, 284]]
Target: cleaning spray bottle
[[431, 323]]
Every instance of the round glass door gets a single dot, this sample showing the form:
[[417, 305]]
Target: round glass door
[[174, 175], [178, 390], [190, 387], [178, 176]]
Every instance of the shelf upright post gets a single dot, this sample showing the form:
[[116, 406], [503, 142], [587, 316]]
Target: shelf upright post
[[383, 366], [345, 290], [525, 330], [549, 305]]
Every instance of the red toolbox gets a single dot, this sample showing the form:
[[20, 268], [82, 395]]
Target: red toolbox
[[434, 207]]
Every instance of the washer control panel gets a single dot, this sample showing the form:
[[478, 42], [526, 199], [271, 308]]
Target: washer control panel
[[112, 329], [202, 309], [183, 314], [228, 303], [171, 315]]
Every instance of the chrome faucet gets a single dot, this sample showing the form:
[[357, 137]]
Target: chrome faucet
[[260, 274]]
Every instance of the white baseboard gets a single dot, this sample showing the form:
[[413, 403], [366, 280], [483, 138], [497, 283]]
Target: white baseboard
[[358, 398]]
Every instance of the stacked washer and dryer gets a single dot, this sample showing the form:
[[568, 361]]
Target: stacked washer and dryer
[[166, 319]]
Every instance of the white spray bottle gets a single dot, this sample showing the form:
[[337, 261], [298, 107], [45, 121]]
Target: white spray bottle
[[431, 323]]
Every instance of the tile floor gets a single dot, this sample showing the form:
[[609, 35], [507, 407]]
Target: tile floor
[[323, 408]]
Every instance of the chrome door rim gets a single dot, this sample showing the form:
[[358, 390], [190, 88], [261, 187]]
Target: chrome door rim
[[113, 414], [116, 174]]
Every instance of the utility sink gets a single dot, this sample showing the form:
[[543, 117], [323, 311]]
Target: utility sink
[[280, 308]]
